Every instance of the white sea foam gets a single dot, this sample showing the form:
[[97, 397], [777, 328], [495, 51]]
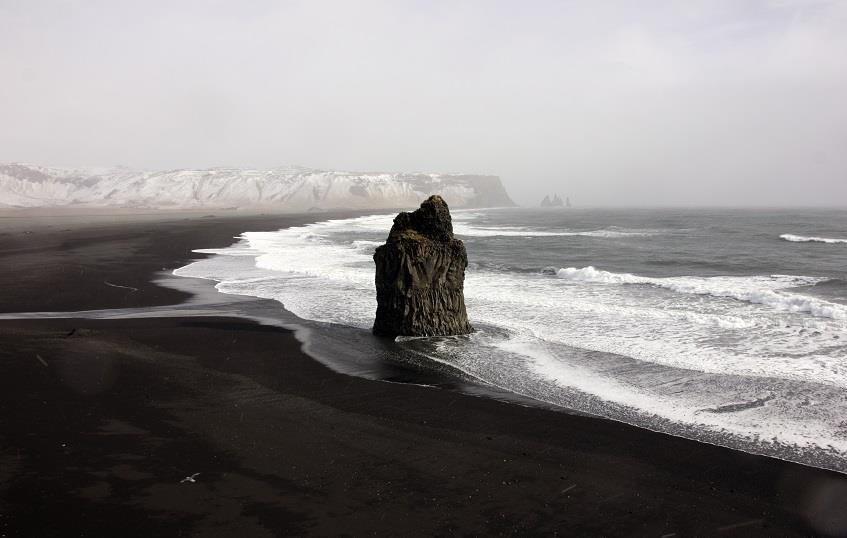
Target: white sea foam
[[362, 244], [809, 430], [669, 347], [804, 239], [764, 290], [325, 280]]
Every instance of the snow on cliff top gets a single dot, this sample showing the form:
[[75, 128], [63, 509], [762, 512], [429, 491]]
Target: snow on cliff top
[[288, 188]]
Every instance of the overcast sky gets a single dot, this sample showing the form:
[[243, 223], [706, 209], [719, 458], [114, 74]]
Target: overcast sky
[[611, 103]]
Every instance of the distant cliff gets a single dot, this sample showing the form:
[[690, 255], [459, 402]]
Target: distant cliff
[[292, 189]]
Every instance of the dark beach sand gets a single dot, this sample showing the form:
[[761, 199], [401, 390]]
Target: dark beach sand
[[98, 429]]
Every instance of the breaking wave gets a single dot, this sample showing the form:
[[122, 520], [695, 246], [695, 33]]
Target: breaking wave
[[763, 290], [804, 239], [751, 362]]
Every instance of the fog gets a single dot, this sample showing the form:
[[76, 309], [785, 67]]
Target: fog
[[630, 103]]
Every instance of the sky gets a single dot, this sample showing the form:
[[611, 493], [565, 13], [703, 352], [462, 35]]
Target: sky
[[610, 103]]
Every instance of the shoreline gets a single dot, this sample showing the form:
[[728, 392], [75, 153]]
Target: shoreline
[[429, 461]]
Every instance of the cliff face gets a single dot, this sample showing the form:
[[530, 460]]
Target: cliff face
[[420, 275], [286, 189], [490, 191]]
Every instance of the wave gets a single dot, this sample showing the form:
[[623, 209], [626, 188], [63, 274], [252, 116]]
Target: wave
[[461, 227], [764, 290], [518, 231], [365, 245], [804, 239], [685, 355]]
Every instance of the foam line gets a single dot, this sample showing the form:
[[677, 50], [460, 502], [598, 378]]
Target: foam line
[[763, 290], [804, 239]]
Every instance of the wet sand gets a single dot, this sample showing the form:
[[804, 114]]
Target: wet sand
[[105, 422]]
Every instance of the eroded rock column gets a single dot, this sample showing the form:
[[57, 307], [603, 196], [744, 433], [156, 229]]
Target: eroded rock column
[[420, 275]]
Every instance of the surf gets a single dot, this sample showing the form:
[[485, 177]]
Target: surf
[[660, 352], [804, 239], [763, 290]]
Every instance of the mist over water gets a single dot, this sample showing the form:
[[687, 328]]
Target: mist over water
[[705, 324]]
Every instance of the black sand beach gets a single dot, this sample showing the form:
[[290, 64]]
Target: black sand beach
[[104, 424]]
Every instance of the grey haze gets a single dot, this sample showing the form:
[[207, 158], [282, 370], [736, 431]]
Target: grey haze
[[610, 103]]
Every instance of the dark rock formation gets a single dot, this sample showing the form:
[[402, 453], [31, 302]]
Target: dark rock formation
[[555, 202], [420, 275]]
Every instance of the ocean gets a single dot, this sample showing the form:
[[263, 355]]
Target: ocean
[[723, 326]]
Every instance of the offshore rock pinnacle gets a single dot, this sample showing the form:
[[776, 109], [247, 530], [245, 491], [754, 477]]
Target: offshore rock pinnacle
[[420, 275]]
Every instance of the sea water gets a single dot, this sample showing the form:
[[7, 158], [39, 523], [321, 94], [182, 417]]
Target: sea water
[[724, 326]]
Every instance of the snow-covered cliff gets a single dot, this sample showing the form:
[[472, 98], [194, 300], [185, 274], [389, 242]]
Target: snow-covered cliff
[[294, 189]]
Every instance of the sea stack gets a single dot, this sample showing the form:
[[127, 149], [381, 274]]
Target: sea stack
[[420, 275]]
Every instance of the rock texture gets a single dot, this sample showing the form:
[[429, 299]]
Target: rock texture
[[420, 275]]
